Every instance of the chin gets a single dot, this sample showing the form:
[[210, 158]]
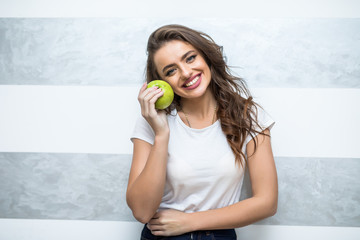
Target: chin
[[196, 94]]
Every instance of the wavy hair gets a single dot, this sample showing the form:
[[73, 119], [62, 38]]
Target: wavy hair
[[236, 109]]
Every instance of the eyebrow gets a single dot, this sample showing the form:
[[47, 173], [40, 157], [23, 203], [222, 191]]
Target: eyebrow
[[182, 59]]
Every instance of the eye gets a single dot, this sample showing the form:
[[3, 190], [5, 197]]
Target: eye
[[191, 58], [169, 72]]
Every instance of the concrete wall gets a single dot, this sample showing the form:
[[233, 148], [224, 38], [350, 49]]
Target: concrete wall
[[68, 90]]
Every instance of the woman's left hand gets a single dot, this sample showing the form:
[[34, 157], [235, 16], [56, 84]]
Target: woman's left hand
[[169, 223]]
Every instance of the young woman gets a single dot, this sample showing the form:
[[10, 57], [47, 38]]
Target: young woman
[[189, 159]]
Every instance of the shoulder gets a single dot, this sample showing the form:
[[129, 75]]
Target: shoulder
[[143, 131], [263, 118], [263, 121]]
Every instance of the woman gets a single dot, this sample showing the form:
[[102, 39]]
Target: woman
[[189, 159]]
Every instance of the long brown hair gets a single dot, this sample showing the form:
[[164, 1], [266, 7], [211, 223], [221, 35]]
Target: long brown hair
[[236, 109]]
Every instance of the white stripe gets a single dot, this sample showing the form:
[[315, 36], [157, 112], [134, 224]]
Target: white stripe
[[92, 119], [144, 8], [24, 229], [67, 119], [270, 232], [313, 122]]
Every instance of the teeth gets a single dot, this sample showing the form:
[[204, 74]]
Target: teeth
[[192, 82]]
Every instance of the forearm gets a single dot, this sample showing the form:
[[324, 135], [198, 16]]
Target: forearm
[[145, 193], [234, 216]]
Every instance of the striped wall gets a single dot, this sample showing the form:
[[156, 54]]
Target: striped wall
[[68, 90]]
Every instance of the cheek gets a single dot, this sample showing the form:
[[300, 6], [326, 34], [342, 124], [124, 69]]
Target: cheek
[[203, 65], [173, 85]]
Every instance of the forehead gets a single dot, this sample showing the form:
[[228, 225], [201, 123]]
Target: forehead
[[171, 52]]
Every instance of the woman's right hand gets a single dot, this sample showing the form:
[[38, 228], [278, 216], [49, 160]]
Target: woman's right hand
[[156, 118]]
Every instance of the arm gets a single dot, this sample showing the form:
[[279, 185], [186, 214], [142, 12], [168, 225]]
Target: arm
[[148, 170], [262, 204], [147, 178]]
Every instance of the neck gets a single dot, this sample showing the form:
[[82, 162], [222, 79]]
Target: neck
[[200, 107]]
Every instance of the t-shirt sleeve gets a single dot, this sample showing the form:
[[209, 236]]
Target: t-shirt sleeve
[[143, 131], [264, 120]]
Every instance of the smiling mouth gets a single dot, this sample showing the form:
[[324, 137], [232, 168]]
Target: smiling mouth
[[192, 82]]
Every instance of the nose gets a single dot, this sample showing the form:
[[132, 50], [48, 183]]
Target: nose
[[186, 72]]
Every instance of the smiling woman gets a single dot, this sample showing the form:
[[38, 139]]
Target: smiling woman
[[189, 159], [184, 68]]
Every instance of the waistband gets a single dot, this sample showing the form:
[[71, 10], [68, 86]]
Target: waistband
[[229, 233]]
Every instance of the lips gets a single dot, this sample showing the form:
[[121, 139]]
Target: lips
[[193, 81]]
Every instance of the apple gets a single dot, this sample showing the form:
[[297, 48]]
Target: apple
[[165, 100]]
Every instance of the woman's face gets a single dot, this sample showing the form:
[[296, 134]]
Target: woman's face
[[184, 68]]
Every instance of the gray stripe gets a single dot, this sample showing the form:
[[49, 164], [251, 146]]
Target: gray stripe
[[312, 191], [316, 192], [64, 186], [268, 52]]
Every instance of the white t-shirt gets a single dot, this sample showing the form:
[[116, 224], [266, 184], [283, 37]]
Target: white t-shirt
[[201, 169]]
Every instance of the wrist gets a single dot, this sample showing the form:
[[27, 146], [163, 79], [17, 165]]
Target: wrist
[[163, 136], [192, 224]]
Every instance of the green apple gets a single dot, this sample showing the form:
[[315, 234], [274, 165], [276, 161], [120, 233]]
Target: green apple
[[165, 100]]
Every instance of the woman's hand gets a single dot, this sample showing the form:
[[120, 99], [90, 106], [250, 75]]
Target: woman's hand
[[156, 118], [169, 223]]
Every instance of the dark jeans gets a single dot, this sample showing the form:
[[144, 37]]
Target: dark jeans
[[226, 234]]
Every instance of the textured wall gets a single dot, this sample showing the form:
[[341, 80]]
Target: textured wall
[[268, 53], [64, 186], [277, 53], [92, 187]]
